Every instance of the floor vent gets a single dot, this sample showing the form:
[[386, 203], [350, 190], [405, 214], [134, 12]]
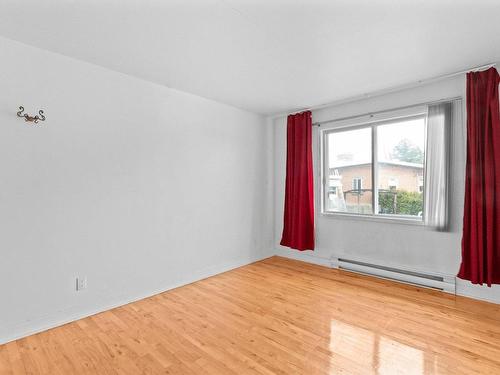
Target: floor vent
[[434, 281]]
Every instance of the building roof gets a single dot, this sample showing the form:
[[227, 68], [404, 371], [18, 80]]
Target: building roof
[[390, 162]]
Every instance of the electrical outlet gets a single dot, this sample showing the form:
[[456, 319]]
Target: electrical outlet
[[81, 283]]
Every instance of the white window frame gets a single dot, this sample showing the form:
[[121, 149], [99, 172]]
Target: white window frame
[[367, 121]]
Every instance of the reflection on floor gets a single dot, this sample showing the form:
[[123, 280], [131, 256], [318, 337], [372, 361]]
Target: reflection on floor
[[276, 316]]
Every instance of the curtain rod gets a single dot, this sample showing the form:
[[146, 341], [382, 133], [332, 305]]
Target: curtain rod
[[371, 114], [388, 90]]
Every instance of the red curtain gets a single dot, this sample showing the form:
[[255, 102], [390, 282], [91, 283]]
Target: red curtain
[[298, 223], [481, 232]]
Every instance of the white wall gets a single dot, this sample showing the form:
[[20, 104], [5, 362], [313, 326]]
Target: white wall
[[136, 186], [385, 243]]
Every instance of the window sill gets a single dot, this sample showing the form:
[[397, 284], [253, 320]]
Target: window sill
[[374, 218]]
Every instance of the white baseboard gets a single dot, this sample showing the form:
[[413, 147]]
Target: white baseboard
[[479, 292], [74, 313], [306, 256], [463, 288]]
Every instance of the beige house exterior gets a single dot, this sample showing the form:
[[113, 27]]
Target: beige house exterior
[[350, 186]]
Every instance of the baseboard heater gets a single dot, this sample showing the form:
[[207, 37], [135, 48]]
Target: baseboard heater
[[434, 281]]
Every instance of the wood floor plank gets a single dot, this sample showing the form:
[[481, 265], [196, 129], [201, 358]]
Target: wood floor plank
[[5, 364], [15, 359], [276, 316]]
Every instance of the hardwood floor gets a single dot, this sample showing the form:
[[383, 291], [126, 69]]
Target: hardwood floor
[[277, 316]]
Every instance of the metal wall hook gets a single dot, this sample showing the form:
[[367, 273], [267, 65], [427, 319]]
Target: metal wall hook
[[28, 118]]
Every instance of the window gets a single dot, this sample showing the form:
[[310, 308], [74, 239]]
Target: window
[[393, 183], [377, 167], [421, 183], [333, 192], [357, 183], [348, 168]]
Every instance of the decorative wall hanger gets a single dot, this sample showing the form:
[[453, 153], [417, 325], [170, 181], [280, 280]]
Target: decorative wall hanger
[[28, 118]]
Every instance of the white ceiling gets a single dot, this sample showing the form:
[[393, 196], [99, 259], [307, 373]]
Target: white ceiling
[[265, 56]]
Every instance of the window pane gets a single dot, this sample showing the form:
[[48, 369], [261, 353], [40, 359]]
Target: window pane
[[400, 153], [349, 184]]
